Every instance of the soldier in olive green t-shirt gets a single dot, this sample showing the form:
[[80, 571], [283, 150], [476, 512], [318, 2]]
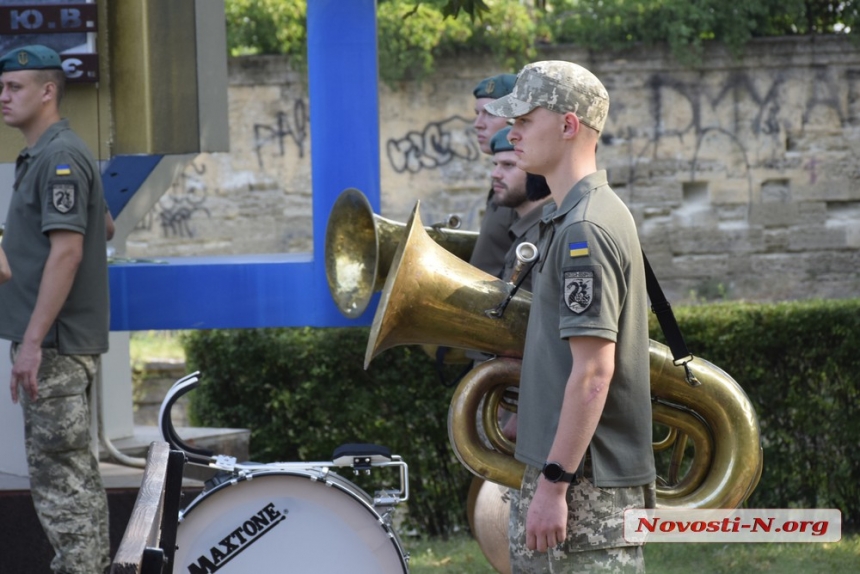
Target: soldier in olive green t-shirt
[[493, 239], [584, 416], [54, 309]]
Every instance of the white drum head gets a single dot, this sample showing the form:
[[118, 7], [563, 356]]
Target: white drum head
[[285, 522]]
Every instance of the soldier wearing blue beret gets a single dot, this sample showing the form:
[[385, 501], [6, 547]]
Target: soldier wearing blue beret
[[54, 309], [525, 193], [493, 241]]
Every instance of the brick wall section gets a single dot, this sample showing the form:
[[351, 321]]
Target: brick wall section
[[742, 175]]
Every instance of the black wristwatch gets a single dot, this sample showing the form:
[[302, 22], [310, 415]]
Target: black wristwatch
[[554, 472]]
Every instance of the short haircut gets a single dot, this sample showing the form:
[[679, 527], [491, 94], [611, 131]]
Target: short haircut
[[56, 77]]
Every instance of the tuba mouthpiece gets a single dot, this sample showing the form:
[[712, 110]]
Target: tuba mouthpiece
[[526, 253]]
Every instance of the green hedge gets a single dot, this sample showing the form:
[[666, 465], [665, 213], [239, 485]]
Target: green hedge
[[302, 392], [800, 366]]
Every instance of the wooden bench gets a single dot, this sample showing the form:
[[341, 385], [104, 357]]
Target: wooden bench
[[149, 541]]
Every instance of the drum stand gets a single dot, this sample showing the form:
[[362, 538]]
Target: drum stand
[[281, 490], [361, 457]]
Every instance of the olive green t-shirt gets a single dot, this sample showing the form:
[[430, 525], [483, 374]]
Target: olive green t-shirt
[[590, 281], [525, 229], [493, 240], [57, 186]]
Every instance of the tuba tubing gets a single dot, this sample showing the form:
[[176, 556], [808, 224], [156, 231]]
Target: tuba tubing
[[726, 467], [432, 297]]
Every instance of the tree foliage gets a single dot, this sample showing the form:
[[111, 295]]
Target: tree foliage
[[266, 27], [685, 24], [413, 33]]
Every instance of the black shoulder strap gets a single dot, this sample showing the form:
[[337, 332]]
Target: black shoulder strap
[[668, 324]]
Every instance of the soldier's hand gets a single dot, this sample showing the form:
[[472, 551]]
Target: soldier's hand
[[25, 372], [546, 522]]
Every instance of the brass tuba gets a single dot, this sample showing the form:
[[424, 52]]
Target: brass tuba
[[360, 245], [432, 297]]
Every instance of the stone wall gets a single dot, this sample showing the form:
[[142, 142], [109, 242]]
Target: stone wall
[[742, 174]]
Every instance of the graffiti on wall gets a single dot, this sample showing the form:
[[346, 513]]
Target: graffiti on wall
[[438, 144], [293, 126], [184, 200], [745, 121]]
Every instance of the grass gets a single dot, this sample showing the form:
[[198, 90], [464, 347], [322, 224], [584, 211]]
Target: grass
[[148, 346], [460, 554], [799, 558]]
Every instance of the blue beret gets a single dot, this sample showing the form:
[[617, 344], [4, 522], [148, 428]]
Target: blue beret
[[30, 58], [499, 141], [495, 86]]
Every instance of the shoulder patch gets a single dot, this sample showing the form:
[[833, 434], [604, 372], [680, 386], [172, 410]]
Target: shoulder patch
[[63, 196], [63, 169], [582, 289]]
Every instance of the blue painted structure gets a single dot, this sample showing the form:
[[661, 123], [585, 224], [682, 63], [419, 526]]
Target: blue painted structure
[[287, 290], [123, 176]]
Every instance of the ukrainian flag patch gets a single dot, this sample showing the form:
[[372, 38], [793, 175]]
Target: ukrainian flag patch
[[579, 249], [63, 169]]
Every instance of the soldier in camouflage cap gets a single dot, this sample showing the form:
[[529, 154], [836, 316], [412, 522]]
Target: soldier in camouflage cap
[[584, 411], [560, 87]]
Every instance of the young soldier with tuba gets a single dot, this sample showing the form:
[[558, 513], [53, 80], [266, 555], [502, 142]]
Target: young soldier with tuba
[[584, 417]]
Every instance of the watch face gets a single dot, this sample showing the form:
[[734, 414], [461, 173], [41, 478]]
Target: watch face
[[553, 472]]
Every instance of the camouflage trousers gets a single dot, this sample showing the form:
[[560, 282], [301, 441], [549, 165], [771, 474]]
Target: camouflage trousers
[[595, 530], [65, 482]]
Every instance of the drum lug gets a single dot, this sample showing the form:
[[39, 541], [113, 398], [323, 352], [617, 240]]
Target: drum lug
[[223, 462], [387, 498]]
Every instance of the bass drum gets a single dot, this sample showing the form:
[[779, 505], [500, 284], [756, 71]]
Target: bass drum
[[286, 521]]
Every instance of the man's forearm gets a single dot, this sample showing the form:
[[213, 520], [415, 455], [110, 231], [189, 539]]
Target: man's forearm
[[584, 399]]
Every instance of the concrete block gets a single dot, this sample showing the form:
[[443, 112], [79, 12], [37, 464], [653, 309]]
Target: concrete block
[[812, 212], [700, 218], [700, 266], [730, 191], [656, 191], [816, 238], [690, 241], [776, 240], [774, 214]]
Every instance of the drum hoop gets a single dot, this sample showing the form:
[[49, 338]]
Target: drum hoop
[[319, 476]]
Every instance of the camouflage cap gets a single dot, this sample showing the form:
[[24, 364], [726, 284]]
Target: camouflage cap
[[34, 57], [559, 87], [495, 86], [499, 141]]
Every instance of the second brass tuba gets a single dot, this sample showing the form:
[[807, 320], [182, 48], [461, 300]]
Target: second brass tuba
[[432, 297], [360, 245]]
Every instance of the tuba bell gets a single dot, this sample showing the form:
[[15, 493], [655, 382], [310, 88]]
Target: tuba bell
[[360, 245], [431, 297]]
